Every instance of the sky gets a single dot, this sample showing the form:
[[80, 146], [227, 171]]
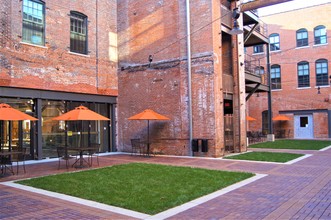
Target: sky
[[291, 5]]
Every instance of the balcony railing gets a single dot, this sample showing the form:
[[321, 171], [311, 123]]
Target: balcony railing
[[254, 66]]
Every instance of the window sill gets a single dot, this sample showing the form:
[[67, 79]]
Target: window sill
[[276, 90], [324, 86], [275, 51], [33, 45], [319, 45], [300, 88], [258, 53], [79, 54], [303, 47]]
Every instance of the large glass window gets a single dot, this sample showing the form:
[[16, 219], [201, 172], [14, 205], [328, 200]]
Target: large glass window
[[302, 37], [275, 77], [322, 72], [320, 35], [303, 74], [274, 42], [33, 30], [258, 48], [78, 32]]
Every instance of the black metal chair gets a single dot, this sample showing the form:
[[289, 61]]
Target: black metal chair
[[63, 155], [20, 157], [137, 147], [93, 152]]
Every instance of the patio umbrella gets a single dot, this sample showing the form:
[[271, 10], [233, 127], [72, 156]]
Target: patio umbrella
[[7, 113], [249, 118], [280, 118], [148, 114], [80, 113]]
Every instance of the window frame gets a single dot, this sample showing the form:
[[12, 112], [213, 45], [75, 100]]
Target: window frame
[[318, 39], [275, 81], [302, 42], [303, 79], [31, 20], [322, 79], [258, 49], [276, 42], [81, 21]]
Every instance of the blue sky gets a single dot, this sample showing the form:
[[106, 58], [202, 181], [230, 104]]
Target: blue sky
[[295, 4]]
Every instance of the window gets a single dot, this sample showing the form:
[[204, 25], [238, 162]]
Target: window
[[321, 72], [258, 48], [259, 70], [274, 42], [320, 35], [275, 77], [265, 122], [303, 74], [33, 30], [78, 32], [302, 37]]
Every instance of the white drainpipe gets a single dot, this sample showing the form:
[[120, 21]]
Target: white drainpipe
[[189, 72]]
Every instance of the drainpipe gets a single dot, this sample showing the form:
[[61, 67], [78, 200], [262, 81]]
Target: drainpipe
[[96, 47], [189, 72], [270, 127]]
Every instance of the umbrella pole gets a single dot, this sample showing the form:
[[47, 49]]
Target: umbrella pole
[[147, 137]]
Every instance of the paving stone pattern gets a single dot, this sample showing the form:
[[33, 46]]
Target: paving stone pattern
[[298, 191]]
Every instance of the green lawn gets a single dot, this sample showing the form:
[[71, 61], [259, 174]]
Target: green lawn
[[146, 188], [265, 156], [293, 144]]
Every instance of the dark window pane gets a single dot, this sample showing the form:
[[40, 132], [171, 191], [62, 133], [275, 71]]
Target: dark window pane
[[78, 37]]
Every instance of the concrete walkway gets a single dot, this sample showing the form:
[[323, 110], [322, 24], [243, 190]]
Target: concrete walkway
[[297, 191]]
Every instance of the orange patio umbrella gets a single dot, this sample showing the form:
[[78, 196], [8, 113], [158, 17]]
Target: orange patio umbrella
[[249, 118], [7, 113], [280, 118], [148, 114], [80, 113]]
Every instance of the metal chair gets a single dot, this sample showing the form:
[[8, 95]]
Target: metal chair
[[137, 147], [63, 155], [93, 152]]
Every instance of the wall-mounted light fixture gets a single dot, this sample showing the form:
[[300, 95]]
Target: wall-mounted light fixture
[[235, 28]]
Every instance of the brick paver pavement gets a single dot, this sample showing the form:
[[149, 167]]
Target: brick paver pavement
[[298, 191]]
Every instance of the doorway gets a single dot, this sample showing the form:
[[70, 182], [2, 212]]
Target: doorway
[[303, 127]]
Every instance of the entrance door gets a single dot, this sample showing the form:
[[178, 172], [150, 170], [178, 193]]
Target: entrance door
[[303, 126]]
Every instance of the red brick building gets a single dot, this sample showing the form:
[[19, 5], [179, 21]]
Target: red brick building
[[119, 58], [56, 55], [300, 69]]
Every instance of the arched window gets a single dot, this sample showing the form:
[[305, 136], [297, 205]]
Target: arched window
[[33, 30], [320, 35], [78, 32], [303, 74], [302, 37], [274, 42], [322, 73], [275, 77]]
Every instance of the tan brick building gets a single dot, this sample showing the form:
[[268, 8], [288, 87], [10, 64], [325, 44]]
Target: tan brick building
[[300, 69]]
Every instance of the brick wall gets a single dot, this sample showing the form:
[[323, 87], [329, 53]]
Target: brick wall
[[53, 67], [290, 97], [158, 28]]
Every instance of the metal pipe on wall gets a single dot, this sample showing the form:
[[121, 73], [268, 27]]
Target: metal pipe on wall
[[189, 72]]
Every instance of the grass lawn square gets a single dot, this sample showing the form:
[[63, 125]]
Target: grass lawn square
[[266, 156], [293, 144], [146, 188]]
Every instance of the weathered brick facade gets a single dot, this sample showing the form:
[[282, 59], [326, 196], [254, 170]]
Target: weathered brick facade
[[158, 28], [53, 67], [291, 100]]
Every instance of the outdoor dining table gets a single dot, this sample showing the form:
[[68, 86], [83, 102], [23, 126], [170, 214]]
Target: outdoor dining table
[[81, 159], [5, 160]]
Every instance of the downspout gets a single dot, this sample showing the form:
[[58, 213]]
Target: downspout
[[189, 72], [96, 47], [270, 127]]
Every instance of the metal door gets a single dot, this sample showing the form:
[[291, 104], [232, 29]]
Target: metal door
[[303, 126]]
